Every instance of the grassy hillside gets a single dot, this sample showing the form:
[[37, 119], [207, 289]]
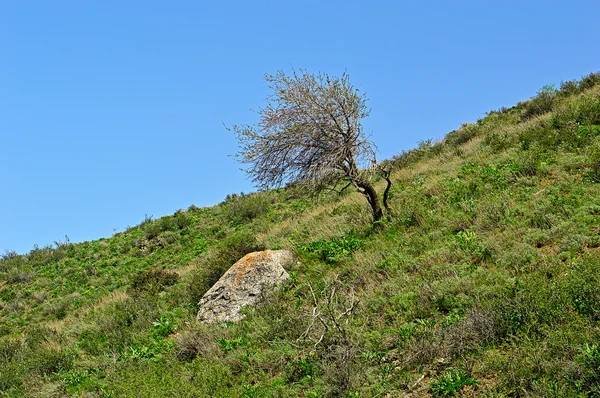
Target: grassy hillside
[[485, 281]]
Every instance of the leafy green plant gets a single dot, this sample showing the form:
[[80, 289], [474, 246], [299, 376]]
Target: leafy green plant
[[589, 358], [451, 382], [75, 377], [301, 369], [200, 246], [332, 251], [228, 345], [163, 326], [469, 243], [153, 351]]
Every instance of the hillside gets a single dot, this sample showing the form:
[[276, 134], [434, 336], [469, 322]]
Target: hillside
[[485, 281]]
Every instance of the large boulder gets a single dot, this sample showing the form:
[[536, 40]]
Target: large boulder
[[245, 283]]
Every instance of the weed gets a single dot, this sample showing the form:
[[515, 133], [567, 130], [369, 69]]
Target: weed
[[163, 326], [301, 370], [228, 345], [451, 382], [332, 251]]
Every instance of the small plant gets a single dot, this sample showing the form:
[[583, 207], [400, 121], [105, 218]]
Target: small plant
[[163, 327], [450, 382], [194, 343], [152, 351], [332, 251], [75, 377], [228, 345], [468, 242], [200, 246], [301, 369]]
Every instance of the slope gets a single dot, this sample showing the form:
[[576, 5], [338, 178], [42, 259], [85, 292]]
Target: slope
[[485, 281]]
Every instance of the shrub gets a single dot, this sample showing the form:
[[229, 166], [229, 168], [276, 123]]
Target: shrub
[[589, 381], [569, 88], [196, 342], [573, 87], [300, 369], [92, 341], [470, 243], [176, 222], [240, 210], [425, 150], [589, 81], [46, 255], [152, 281], [51, 358], [542, 103], [461, 136], [57, 308], [593, 174], [497, 141]]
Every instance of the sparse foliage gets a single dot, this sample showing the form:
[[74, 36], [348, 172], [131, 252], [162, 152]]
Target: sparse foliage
[[310, 131]]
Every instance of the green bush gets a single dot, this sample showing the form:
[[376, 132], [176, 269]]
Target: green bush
[[569, 88], [542, 103], [589, 81], [300, 369], [177, 222], [152, 281], [461, 136], [242, 209], [92, 341], [117, 326], [588, 382]]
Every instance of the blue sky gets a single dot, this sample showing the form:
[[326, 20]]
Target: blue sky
[[113, 110]]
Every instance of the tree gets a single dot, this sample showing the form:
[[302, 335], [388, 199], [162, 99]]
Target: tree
[[310, 131]]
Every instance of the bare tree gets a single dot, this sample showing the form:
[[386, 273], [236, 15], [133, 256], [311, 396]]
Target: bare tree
[[310, 131]]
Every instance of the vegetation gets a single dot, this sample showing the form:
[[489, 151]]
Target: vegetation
[[310, 132], [484, 282]]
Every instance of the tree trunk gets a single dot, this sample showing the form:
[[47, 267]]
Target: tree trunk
[[386, 195], [373, 199]]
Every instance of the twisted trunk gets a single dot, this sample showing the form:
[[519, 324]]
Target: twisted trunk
[[372, 197], [386, 195]]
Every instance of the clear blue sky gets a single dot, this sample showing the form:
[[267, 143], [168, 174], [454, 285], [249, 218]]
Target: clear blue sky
[[111, 110]]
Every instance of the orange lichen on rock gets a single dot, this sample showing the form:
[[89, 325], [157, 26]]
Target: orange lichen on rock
[[249, 263], [244, 284]]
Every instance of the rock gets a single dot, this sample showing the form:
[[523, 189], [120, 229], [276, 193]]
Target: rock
[[245, 283]]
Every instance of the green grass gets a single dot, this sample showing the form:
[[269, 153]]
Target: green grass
[[484, 281]]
